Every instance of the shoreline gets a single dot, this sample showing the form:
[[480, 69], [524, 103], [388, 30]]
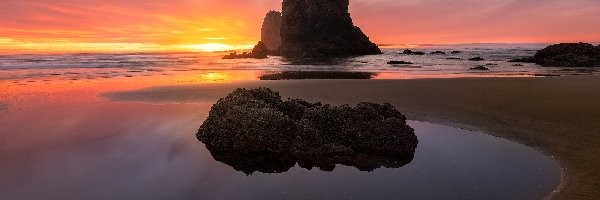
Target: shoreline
[[554, 115]]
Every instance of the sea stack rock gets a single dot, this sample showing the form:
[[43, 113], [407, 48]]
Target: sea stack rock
[[271, 30], [320, 29]]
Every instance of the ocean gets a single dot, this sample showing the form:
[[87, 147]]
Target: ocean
[[47, 67]]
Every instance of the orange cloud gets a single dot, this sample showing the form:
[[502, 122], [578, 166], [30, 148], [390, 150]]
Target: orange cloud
[[161, 25]]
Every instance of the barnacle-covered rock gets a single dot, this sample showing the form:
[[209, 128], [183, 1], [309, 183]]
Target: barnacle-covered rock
[[254, 130], [566, 55]]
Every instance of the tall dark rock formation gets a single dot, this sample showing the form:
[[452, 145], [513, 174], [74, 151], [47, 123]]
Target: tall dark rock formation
[[271, 30], [321, 28]]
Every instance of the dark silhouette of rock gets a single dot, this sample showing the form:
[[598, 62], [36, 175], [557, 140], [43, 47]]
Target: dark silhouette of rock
[[395, 62], [254, 130], [455, 52], [260, 51], [454, 58], [566, 55], [477, 59], [547, 75], [491, 64], [299, 75], [480, 67], [411, 52], [523, 60], [321, 28], [271, 31], [438, 53]]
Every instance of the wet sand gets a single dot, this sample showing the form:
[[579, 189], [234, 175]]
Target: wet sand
[[558, 115], [2, 107]]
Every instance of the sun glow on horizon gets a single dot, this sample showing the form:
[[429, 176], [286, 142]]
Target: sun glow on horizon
[[44, 26], [216, 47], [11, 46]]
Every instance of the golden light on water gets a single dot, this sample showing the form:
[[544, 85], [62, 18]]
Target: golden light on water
[[214, 77], [215, 47]]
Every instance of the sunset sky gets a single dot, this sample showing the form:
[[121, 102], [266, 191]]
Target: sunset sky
[[180, 25]]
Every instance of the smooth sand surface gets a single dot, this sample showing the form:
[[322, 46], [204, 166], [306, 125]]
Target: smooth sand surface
[[3, 107], [559, 115]]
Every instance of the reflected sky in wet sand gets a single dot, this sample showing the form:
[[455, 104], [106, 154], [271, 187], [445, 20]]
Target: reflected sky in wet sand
[[79, 146]]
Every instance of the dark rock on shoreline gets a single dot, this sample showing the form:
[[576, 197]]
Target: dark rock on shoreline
[[566, 55], [321, 28], [260, 51], [454, 58], [455, 52], [438, 53], [411, 52], [480, 67], [477, 59], [300, 75], [395, 62], [254, 130], [271, 30], [523, 60]]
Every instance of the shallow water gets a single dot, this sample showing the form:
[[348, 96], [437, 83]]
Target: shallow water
[[59, 139], [90, 148]]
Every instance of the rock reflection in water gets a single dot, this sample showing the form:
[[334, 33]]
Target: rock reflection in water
[[279, 163]]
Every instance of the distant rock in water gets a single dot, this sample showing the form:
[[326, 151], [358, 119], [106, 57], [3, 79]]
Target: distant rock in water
[[396, 62], [271, 31], [480, 68], [411, 52], [438, 53], [566, 55], [260, 51], [321, 28], [477, 59], [300, 75], [254, 130]]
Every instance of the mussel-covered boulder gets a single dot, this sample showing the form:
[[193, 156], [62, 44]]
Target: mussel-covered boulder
[[255, 130], [566, 55]]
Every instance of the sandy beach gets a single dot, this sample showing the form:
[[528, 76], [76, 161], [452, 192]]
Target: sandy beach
[[557, 115], [323, 99]]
